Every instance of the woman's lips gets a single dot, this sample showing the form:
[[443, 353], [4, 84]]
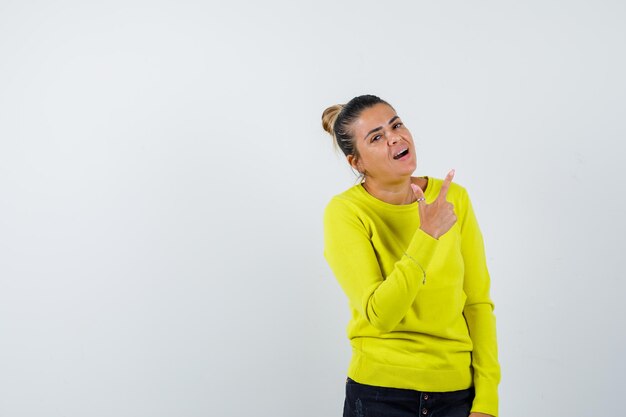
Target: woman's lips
[[403, 153]]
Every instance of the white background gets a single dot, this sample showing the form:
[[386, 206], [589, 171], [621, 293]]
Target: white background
[[163, 173]]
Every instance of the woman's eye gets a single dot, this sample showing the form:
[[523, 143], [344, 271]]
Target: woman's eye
[[397, 125], [375, 138]]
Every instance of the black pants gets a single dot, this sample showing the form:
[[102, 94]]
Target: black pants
[[371, 401]]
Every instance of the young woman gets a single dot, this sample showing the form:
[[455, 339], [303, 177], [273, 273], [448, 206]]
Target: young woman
[[409, 255]]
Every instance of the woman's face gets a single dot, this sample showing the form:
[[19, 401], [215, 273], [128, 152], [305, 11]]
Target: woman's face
[[385, 145]]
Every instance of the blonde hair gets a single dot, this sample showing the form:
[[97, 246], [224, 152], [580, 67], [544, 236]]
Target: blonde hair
[[329, 118]]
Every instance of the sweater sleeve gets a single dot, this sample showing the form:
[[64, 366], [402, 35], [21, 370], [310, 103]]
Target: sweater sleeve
[[381, 301], [478, 312]]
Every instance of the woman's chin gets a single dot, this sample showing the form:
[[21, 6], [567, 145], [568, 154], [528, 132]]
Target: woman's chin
[[402, 173], [408, 169]]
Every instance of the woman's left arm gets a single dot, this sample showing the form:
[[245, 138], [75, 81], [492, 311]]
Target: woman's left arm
[[478, 312]]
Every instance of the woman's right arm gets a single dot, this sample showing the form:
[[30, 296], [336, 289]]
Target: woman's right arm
[[382, 301]]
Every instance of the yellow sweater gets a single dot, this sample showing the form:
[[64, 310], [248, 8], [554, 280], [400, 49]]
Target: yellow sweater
[[432, 331]]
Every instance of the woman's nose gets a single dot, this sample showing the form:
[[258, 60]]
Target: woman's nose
[[393, 139]]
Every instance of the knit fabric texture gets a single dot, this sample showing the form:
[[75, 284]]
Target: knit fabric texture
[[421, 313]]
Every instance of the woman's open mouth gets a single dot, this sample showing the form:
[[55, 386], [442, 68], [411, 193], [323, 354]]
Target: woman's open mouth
[[401, 154]]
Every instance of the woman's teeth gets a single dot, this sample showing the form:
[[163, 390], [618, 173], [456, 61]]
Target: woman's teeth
[[401, 154]]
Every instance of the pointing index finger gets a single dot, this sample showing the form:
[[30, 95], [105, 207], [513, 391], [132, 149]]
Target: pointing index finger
[[446, 184]]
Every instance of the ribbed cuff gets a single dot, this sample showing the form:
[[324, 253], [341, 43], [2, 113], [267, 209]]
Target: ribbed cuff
[[422, 249], [486, 397]]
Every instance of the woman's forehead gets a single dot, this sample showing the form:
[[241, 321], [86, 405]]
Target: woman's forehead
[[378, 115]]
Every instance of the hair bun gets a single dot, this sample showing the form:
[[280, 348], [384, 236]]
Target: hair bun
[[329, 117]]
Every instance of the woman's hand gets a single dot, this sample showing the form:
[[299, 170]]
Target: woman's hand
[[480, 415], [438, 217]]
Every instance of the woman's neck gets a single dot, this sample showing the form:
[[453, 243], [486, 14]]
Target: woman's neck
[[398, 193]]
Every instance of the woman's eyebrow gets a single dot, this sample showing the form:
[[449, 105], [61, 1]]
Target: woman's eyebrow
[[372, 131], [380, 127]]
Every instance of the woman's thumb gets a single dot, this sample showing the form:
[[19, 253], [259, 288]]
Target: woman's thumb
[[417, 191]]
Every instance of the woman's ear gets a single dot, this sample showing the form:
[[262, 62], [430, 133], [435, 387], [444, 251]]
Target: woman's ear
[[354, 163]]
